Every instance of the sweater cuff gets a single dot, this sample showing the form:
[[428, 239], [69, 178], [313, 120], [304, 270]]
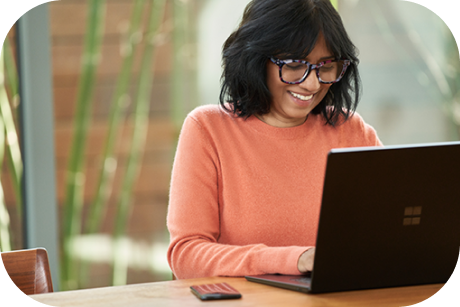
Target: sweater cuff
[[283, 260]]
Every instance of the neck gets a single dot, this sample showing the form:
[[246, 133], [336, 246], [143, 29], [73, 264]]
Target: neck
[[281, 124]]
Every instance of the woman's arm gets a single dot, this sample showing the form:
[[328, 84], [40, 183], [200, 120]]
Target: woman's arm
[[194, 218]]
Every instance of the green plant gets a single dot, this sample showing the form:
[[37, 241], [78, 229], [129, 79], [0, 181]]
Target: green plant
[[119, 103], [9, 142], [5, 244], [75, 274], [141, 116], [5, 241], [71, 225]]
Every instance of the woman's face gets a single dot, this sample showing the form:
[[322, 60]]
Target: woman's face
[[291, 103]]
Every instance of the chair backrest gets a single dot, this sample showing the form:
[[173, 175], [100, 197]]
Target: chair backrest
[[29, 270]]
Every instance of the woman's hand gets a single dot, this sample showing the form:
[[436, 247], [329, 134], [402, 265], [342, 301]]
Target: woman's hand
[[306, 260]]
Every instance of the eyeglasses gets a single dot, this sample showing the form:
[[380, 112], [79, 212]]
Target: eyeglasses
[[296, 71]]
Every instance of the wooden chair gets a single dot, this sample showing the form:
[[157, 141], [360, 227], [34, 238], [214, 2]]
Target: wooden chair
[[29, 270]]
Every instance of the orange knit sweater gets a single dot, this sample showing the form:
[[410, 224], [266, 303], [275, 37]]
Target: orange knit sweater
[[245, 196]]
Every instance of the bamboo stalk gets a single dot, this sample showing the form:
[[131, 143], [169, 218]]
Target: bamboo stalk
[[75, 176], [13, 152], [141, 118], [11, 76], [118, 104], [5, 240], [9, 115]]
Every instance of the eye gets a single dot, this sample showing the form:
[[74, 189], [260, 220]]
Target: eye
[[295, 66], [329, 66]]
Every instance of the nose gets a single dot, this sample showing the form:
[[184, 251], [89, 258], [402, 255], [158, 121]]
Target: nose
[[311, 83]]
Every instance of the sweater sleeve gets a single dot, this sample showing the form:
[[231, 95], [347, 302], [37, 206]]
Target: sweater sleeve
[[194, 223]]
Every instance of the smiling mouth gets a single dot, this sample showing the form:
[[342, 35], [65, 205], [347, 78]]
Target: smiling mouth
[[301, 97]]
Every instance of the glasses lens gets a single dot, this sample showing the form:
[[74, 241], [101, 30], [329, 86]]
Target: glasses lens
[[330, 72], [293, 72]]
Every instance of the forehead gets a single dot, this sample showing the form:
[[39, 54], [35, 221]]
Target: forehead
[[320, 51]]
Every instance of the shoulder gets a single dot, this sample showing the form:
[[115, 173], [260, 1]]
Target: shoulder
[[205, 110], [208, 112], [209, 126], [359, 133], [199, 127], [211, 116], [355, 123], [209, 121], [356, 132]]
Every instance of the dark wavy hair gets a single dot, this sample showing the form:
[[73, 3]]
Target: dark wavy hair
[[287, 29]]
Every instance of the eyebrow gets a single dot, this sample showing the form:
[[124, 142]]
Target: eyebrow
[[322, 59], [327, 58]]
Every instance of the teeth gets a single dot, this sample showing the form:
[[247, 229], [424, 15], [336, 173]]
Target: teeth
[[301, 97]]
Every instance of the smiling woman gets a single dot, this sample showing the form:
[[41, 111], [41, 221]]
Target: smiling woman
[[292, 102], [247, 178], [317, 34]]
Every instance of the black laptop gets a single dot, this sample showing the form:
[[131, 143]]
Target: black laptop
[[389, 217]]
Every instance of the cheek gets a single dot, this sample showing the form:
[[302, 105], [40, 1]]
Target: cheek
[[275, 86], [323, 91]]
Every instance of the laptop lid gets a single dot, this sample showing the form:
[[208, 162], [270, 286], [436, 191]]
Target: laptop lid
[[389, 217]]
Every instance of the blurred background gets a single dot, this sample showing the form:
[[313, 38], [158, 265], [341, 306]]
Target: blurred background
[[124, 76]]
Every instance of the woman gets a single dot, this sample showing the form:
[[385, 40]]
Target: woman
[[248, 174]]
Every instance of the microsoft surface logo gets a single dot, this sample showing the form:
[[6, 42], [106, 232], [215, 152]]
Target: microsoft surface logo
[[412, 215]]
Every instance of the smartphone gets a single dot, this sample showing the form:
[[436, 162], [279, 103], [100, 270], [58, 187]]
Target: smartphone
[[218, 291]]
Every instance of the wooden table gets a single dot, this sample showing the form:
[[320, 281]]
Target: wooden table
[[177, 293]]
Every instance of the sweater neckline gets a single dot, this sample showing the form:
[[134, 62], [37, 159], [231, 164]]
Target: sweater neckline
[[283, 133]]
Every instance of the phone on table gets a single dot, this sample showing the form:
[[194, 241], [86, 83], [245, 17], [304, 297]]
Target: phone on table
[[219, 291]]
